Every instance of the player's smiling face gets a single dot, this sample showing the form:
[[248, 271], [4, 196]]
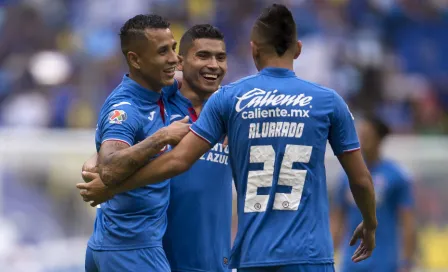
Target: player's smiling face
[[205, 64], [159, 58]]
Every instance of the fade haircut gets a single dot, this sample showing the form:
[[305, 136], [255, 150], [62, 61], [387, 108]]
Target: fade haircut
[[275, 27], [134, 29], [204, 31]]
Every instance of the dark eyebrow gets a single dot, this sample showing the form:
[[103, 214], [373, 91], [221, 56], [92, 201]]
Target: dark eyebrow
[[210, 52], [203, 52]]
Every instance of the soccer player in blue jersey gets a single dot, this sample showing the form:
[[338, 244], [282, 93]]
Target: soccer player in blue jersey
[[190, 222], [198, 236], [129, 227], [396, 232], [278, 126]]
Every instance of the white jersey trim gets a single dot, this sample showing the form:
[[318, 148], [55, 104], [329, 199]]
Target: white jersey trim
[[200, 136], [351, 150]]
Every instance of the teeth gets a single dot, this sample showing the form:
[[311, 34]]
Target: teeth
[[211, 76]]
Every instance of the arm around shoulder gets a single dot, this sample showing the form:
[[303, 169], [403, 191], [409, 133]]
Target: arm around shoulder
[[170, 164]]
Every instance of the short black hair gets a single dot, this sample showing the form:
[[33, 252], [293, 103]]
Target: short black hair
[[380, 127], [202, 31], [134, 29], [276, 27]]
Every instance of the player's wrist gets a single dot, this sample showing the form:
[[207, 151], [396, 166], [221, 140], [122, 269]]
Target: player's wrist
[[370, 224], [162, 138]]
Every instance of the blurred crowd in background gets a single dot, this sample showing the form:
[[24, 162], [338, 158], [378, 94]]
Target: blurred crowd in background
[[60, 59]]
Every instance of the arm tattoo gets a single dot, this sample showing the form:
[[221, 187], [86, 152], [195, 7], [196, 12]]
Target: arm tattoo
[[117, 161]]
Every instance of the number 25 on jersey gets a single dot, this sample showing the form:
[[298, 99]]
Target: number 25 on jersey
[[294, 178]]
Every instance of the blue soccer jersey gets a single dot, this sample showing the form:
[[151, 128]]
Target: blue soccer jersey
[[392, 191], [278, 126], [199, 215], [137, 218]]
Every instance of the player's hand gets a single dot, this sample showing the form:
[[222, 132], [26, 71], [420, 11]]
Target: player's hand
[[225, 143], [365, 248], [95, 191], [177, 130], [91, 167]]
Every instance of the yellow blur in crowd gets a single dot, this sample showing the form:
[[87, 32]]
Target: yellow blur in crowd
[[432, 247]]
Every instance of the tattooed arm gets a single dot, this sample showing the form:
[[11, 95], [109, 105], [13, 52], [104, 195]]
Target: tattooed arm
[[117, 161]]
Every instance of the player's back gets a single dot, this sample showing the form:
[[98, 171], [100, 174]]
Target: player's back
[[137, 218], [278, 127]]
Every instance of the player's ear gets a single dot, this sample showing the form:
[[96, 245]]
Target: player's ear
[[253, 47], [133, 59], [255, 54], [180, 65], [298, 49], [255, 50]]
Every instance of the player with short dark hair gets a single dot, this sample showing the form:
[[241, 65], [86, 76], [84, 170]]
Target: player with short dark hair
[[203, 63], [394, 198], [201, 31], [278, 126], [134, 29], [129, 227], [200, 212], [275, 33], [149, 48]]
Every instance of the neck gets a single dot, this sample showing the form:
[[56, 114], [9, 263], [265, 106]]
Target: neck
[[372, 158], [277, 62], [144, 83], [197, 98]]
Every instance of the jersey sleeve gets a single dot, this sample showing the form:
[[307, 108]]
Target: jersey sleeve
[[119, 123], [342, 136], [405, 195], [210, 125]]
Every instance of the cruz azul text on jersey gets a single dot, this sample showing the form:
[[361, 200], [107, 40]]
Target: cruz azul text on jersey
[[218, 154]]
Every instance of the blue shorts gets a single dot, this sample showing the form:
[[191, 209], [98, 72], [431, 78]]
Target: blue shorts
[[292, 268], [144, 259]]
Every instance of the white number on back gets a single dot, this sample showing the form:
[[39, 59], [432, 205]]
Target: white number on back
[[288, 177]]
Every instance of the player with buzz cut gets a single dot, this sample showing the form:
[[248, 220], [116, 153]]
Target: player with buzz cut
[[129, 227], [203, 63], [277, 157]]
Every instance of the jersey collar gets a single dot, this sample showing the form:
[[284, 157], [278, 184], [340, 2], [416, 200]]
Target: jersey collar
[[183, 100], [277, 72], [188, 105], [140, 91]]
